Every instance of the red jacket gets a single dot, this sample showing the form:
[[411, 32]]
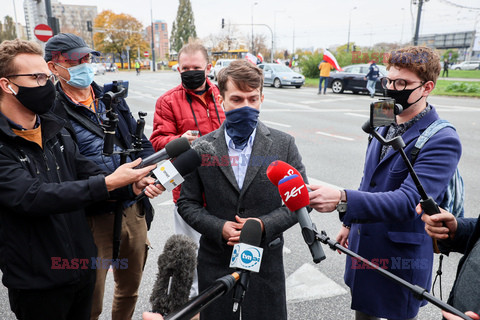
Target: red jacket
[[173, 116]]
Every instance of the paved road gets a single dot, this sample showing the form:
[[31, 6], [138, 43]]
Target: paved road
[[328, 133]]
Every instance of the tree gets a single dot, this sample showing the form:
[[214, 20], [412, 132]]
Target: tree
[[7, 31], [118, 32], [184, 26]]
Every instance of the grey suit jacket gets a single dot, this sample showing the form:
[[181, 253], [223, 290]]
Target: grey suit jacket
[[214, 182]]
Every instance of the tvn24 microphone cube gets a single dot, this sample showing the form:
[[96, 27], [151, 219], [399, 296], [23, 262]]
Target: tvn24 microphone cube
[[246, 257]]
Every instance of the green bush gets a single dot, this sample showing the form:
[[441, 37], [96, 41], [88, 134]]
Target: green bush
[[309, 65], [463, 87]]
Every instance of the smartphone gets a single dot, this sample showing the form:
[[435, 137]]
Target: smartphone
[[114, 87], [194, 132], [382, 113]]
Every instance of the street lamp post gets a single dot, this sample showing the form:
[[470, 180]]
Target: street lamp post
[[253, 4], [153, 39], [349, 23], [274, 47], [293, 36]]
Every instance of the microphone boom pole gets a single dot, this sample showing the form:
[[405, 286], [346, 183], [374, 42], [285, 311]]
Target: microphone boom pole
[[418, 292]]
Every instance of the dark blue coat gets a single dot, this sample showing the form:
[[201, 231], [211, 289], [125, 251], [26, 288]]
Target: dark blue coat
[[91, 144], [384, 224]]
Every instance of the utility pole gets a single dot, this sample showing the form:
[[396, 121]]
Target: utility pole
[[153, 39], [51, 20], [417, 27]]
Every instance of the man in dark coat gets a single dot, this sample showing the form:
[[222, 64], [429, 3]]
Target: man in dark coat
[[231, 187], [46, 246]]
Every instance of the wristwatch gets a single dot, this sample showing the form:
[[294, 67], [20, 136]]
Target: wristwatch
[[342, 205]]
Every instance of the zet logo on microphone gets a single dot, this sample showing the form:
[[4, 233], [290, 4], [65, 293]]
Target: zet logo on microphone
[[293, 193]]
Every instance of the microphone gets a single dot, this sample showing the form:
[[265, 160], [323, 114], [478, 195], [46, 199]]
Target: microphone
[[277, 170], [220, 287], [176, 267], [246, 255], [172, 149], [170, 175], [294, 194]]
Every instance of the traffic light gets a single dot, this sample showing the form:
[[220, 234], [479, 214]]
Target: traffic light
[[223, 23]]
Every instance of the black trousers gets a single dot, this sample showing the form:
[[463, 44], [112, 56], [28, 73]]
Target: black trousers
[[70, 302]]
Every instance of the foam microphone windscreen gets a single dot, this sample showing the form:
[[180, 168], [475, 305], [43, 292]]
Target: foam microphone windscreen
[[187, 162], [251, 233], [176, 267], [203, 147], [176, 147], [294, 192], [277, 170]]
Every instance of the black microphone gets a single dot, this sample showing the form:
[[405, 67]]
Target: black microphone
[[172, 149], [170, 178], [176, 267], [251, 235], [220, 287]]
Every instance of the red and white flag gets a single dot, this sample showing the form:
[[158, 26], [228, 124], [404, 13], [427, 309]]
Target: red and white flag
[[328, 56], [250, 57], [260, 57]]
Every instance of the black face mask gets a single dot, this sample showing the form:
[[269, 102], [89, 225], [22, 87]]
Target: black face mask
[[402, 96], [39, 100], [193, 79]]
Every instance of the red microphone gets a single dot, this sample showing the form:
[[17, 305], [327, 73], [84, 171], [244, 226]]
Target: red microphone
[[294, 194], [277, 170]]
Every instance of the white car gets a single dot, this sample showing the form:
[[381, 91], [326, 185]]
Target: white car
[[175, 67], [99, 68], [219, 65], [466, 65]]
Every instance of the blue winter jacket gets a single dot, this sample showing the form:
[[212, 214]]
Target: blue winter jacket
[[91, 144], [385, 228]]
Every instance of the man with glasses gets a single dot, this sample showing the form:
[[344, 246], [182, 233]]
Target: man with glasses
[[79, 100], [379, 219], [46, 245]]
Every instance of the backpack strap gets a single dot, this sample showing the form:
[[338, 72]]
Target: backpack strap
[[89, 125], [433, 128]]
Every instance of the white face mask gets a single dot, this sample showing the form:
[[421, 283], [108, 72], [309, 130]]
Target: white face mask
[[81, 76]]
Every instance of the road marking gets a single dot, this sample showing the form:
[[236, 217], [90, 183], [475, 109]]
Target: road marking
[[166, 203], [334, 136], [357, 115], [307, 283], [317, 182], [277, 124]]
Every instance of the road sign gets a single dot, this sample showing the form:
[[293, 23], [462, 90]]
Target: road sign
[[146, 54], [43, 32]]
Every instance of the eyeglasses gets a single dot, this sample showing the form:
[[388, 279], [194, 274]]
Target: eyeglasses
[[398, 84], [41, 78]]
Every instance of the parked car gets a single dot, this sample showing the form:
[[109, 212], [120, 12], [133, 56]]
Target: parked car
[[219, 65], [111, 67], [352, 78], [279, 75], [99, 68], [175, 67], [466, 65]]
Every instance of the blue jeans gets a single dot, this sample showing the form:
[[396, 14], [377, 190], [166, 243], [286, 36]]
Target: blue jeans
[[371, 86], [320, 84]]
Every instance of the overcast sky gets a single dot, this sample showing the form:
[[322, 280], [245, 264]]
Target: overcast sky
[[315, 23]]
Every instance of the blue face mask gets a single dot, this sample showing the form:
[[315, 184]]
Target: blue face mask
[[81, 76], [240, 124]]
